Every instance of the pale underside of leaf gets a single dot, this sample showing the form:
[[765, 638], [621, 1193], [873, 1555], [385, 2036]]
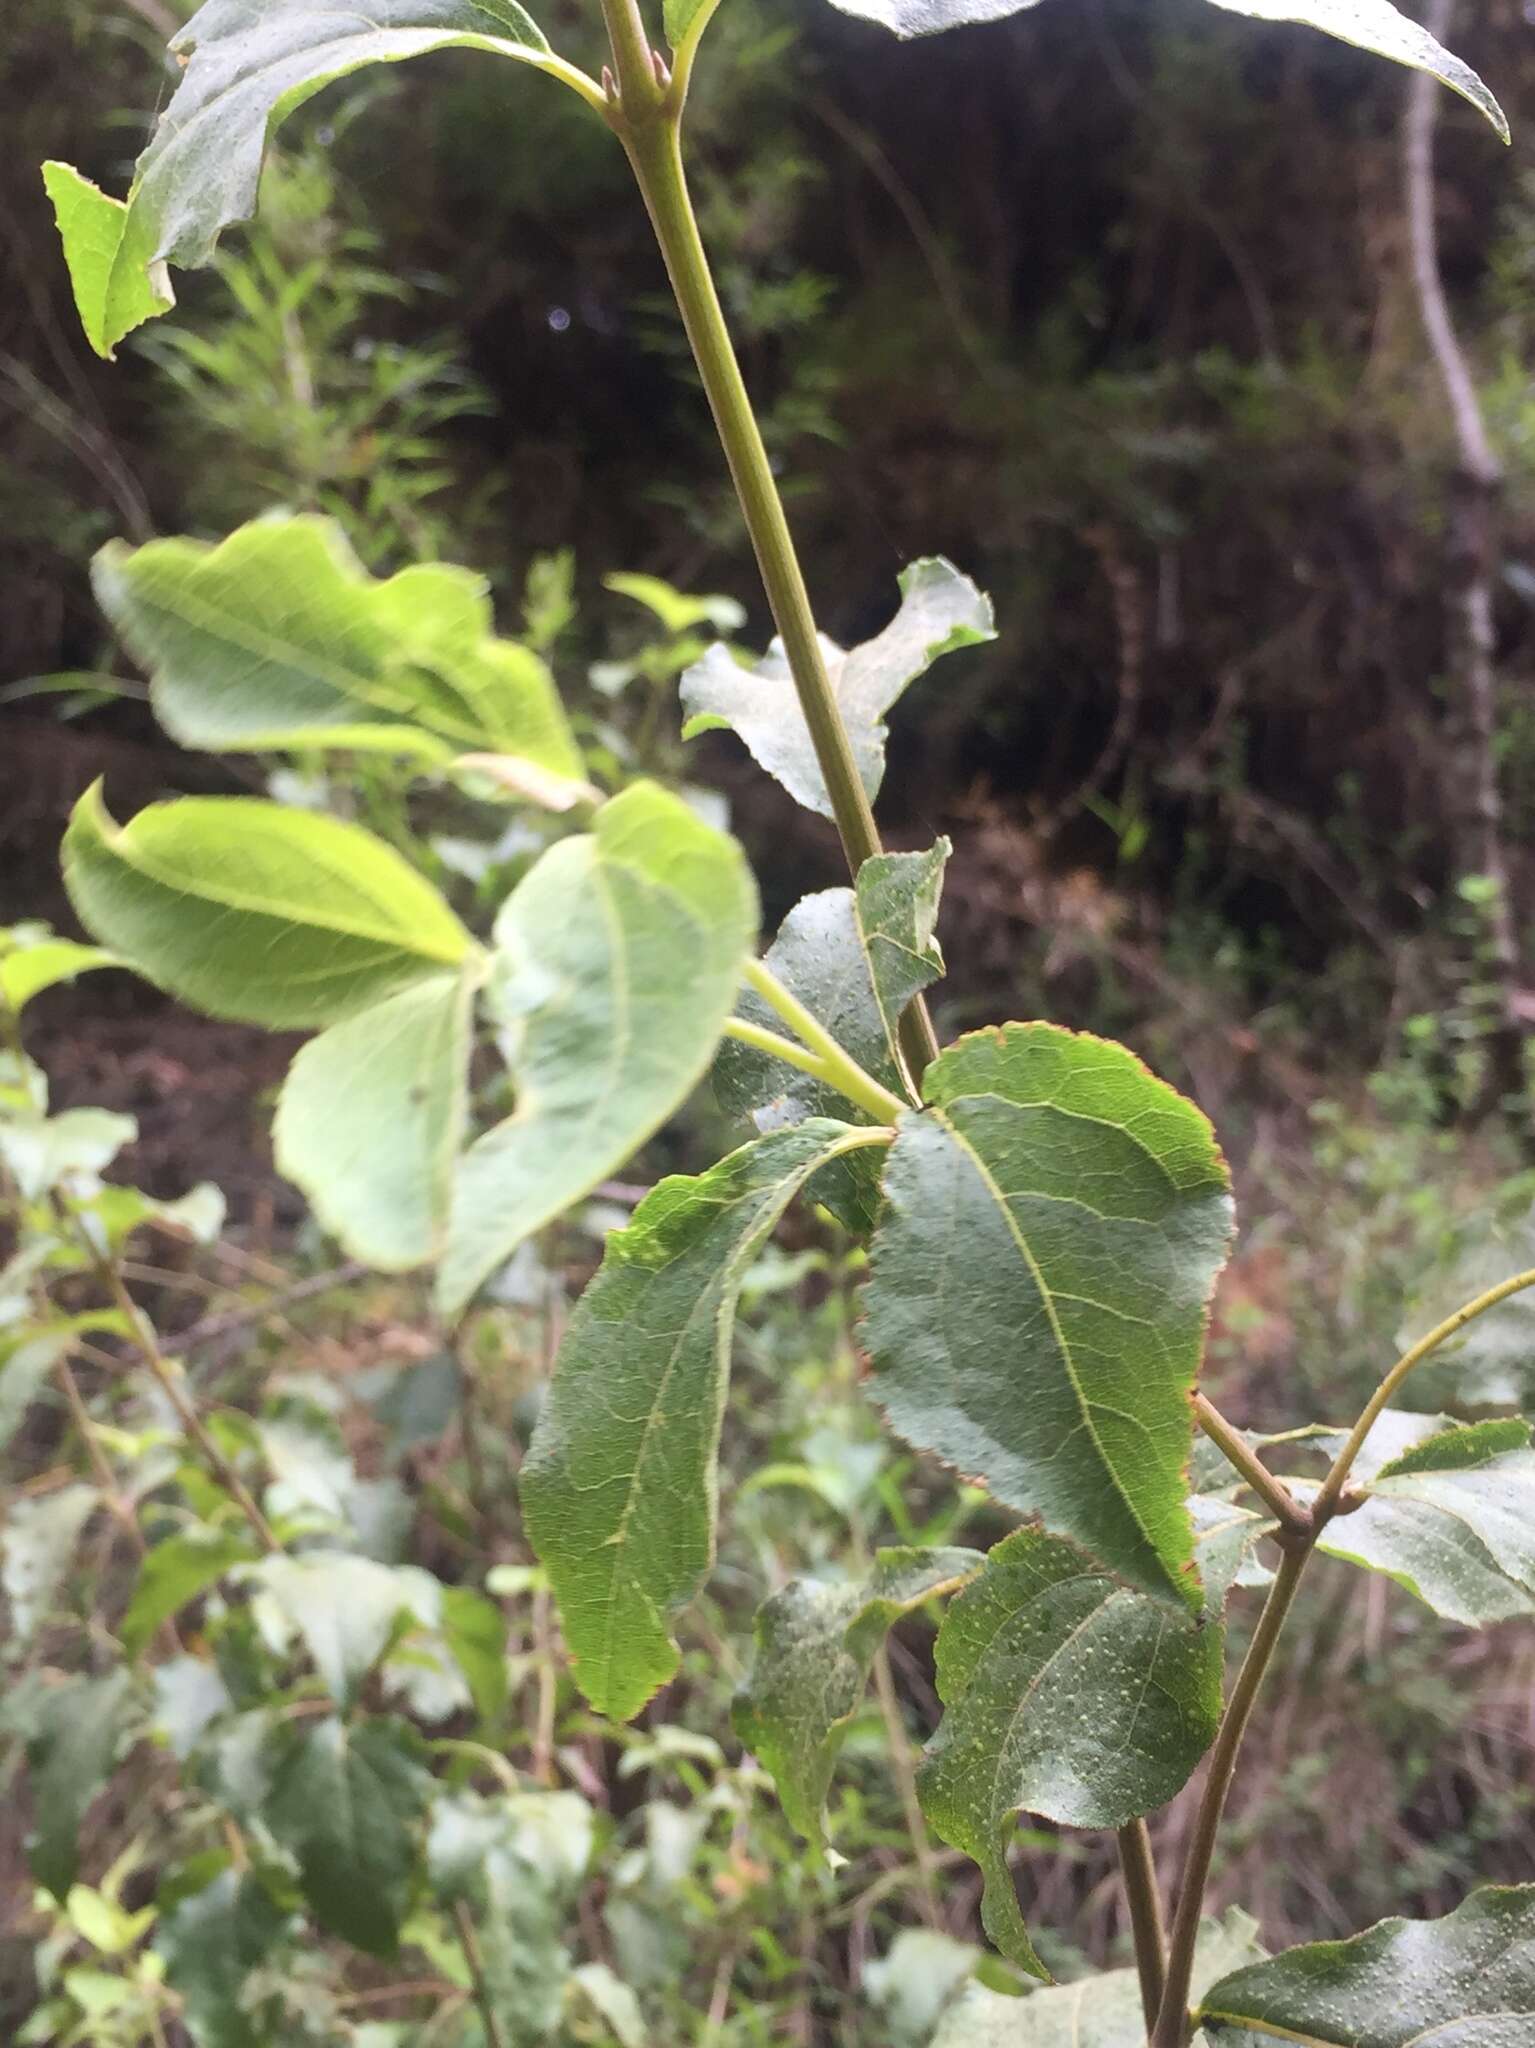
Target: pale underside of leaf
[[618, 957], [278, 638], [1095, 2012], [248, 64], [855, 958], [1449, 1513], [1373, 25], [1466, 1981], [371, 1120], [940, 610], [1053, 1229], [620, 1484]]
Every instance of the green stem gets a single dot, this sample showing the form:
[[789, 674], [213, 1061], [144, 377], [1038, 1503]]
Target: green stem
[[832, 1063], [1328, 1500], [1273, 1492], [647, 117], [1144, 1898], [1172, 2027]]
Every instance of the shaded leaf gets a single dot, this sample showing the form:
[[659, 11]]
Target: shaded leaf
[[248, 64], [1466, 1981], [1490, 1363], [25, 1364], [70, 1753], [173, 1575], [940, 610], [620, 1484], [617, 959], [255, 911], [1097, 2012], [211, 1941], [346, 1801], [854, 958], [474, 1629], [1053, 1227], [371, 1119], [816, 1643], [1066, 1696], [279, 638], [911, 1986], [1449, 1514]]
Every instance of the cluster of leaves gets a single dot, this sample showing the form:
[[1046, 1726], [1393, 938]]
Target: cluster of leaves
[[1048, 1219]]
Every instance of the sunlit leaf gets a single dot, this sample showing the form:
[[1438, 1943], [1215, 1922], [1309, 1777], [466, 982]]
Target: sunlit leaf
[[816, 1642], [27, 970], [278, 638], [617, 959], [1466, 1981], [940, 610], [255, 911], [247, 65], [1053, 1228], [619, 1488]]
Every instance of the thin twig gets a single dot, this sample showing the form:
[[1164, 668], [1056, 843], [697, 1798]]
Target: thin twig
[[1234, 1448], [469, 1942], [1144, 1899]]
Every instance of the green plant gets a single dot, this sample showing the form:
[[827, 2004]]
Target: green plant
[[1047, 1220]]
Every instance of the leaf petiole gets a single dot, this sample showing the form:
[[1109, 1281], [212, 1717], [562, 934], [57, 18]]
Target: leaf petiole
[[817, 1052]]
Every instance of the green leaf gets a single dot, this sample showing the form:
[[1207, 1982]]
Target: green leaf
[[1466, 1981], [1373, 25], [1066, 1696], [617, 959], [346, 1801], [253, 911], [248, 64], [278, 638], [1490, 1362], [854, 958], [474, 1629], [70, 1754], [26, 970], [619, 1487], [816, 1643], [913, 1985], [347, 1609], [174, 1574], [1449, 1513], [39, 1536], [372, 1116], [1053, 1229], [1097, 2012], [211, 1942], [940, 610]]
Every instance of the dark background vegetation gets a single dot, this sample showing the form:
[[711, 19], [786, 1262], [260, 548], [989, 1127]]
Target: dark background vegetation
[[1112, 305]]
